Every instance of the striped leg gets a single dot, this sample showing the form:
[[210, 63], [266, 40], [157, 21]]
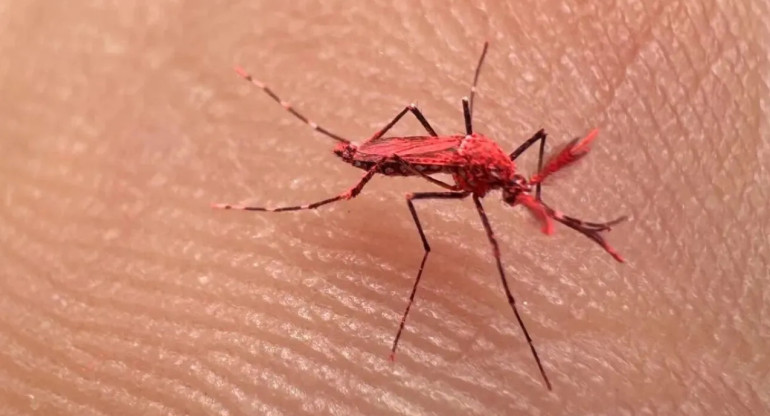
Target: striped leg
[[410, 108], [350, 193], [288, 106], [508, 294], [476, 76]]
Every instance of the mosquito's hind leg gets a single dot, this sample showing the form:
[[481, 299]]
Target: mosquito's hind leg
[[245, 75], [350, 193]]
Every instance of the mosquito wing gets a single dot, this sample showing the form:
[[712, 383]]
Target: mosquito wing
[[426, 150]]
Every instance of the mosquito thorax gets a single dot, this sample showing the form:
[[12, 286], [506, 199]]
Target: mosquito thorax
[[486, 165], [482, 151]]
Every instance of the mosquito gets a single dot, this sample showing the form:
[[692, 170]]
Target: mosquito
[[477, 166]]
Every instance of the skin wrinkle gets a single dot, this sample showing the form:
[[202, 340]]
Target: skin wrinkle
[[680, 123], [710, 67], [112, 255], [29, 401], [100, 352], [77, 398], [104, 352]]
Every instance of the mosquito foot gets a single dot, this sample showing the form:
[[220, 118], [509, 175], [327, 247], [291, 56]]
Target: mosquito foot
[[224, 206]]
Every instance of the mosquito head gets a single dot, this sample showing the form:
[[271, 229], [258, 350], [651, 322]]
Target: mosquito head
[[345, 151], [519, 192], [514, 188]]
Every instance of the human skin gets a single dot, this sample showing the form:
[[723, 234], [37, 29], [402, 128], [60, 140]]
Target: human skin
[[122, 292]]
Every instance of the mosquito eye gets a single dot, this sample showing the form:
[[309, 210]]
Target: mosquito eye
[[509, 195]]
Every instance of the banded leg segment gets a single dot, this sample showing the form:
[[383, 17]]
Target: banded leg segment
[[426, 247], [476, 75], [508, 294], [245, 75], [350, 193], [410, 108]]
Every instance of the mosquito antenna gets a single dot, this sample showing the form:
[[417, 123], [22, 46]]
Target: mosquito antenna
[[245, 75], [476, 75]]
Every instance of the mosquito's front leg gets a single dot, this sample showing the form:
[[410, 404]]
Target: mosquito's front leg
[[350, 193], [288, 107]]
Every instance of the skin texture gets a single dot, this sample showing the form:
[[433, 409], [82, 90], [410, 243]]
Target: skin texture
[[122, 292]]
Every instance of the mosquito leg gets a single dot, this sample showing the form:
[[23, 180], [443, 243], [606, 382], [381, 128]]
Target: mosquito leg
[[467, 105], [539, 136], [423, 121], [476, 75], [467, 116], [410, 108], [245, 75], [350, 193], [511, 300], [540, 165], [426, 247]]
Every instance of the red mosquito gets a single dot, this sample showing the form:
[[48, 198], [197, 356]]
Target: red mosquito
[[477, 165]]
